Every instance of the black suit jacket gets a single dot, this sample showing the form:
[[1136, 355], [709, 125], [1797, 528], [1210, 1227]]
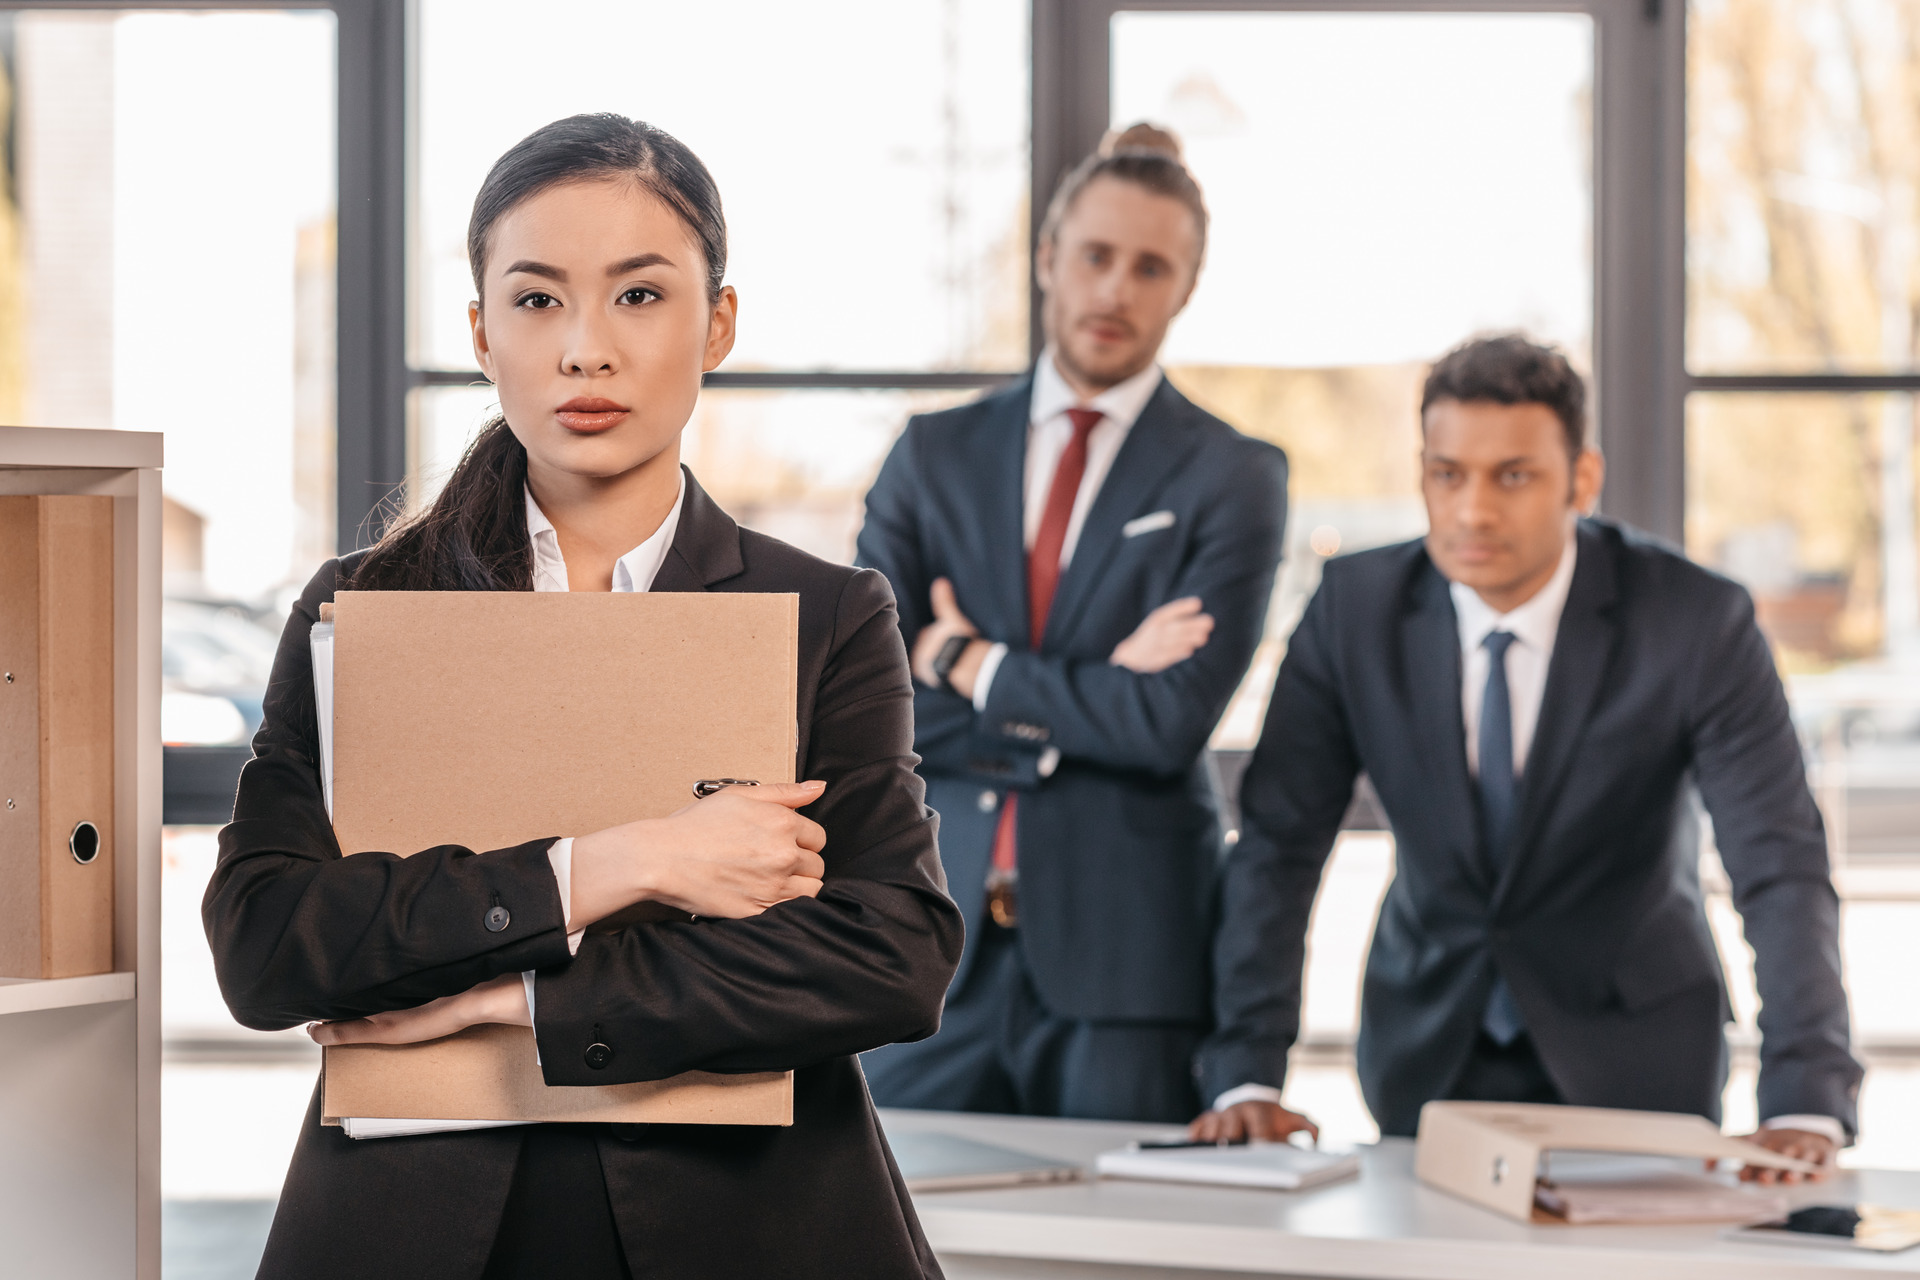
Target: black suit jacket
[[1119, 847], [1658, 674], [300, 933]]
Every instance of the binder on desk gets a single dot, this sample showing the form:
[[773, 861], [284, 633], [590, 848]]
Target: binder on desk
[[488, 719], [56, 735], [1491, 1152]]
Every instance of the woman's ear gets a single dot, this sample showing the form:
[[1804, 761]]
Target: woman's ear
[[726, 309], [481, 351]]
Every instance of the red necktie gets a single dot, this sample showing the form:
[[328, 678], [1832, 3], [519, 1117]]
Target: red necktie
[[1043, 575]]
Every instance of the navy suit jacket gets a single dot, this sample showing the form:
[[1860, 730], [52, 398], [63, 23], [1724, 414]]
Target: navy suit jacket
[[1659, 674], [1120, 845]]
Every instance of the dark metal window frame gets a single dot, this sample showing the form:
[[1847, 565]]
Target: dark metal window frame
[[1638, 220], [1640, 60]]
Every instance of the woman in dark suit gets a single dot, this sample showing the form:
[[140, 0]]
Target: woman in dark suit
[[598, 249]]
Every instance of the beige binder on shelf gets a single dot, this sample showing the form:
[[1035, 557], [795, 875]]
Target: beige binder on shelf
[[1490, 1152], [56, 736], [488, 719]]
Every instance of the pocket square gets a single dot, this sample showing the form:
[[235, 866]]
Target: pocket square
[[1147, 524]]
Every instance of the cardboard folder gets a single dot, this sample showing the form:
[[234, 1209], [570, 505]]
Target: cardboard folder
[[1490, 1152], [56, 735], [488, 719]]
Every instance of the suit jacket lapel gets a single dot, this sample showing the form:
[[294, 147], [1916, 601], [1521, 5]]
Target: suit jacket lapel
[[1003, 516], [1431, 678], [706, 545], [1155, 449], [1583, 649]]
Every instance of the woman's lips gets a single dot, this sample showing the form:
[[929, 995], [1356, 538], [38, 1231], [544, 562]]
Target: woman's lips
[[588, 415]]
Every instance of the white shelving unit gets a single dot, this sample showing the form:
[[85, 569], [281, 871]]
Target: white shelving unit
[[80, 1057]]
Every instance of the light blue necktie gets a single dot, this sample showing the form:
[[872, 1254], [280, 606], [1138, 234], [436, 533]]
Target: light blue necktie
[[1502, 1018]]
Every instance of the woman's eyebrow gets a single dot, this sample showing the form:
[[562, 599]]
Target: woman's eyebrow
[[639, 262], [532, 268]]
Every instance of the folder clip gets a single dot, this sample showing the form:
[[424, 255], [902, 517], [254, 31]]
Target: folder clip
[[707, 786]]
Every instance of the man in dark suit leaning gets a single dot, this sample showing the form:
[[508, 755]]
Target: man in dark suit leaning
[[1083, 563], [1530, 693]]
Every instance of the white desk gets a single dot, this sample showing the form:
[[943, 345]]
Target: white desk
[[1384, 1226]]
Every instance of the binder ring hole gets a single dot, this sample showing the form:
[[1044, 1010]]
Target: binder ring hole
[[84, 842]]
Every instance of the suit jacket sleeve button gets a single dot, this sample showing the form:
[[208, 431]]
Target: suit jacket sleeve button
[[598, 1056], [496, 919], [989, 802]]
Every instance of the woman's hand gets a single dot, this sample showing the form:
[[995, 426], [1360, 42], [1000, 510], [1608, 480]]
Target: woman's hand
[[731, 855], [501, 999], [1166, 637]]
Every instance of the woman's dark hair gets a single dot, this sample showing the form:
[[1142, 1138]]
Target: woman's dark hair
[[1510, 368], [1143, 154], [473, 536]]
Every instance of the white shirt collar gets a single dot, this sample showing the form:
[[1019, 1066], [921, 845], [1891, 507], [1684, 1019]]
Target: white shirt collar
[[634, 571], [1122, 403], [1534, 623]]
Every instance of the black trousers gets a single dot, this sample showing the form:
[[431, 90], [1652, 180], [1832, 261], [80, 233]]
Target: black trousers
[[558, 1220], [1000, 1050], [1504, 1073]]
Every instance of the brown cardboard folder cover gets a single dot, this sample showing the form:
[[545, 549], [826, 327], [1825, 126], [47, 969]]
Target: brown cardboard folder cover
[[488, 719]]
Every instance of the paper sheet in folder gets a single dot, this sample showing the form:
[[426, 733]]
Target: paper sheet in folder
[[488, 719]]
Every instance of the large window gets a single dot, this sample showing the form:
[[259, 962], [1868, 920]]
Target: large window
[[1803, 284], [1349, 246]]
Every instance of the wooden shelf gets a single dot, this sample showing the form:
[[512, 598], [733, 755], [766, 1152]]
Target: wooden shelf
[[80, 1078], [24, 995]]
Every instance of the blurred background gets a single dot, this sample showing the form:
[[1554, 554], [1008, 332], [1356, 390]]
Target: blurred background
[[245, 227]]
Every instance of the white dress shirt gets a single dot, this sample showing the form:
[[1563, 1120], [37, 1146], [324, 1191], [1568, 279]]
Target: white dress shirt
[[1049, 431], [1534, 624]]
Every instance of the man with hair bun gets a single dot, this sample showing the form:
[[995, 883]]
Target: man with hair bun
[[1531, 693], [1082, 562]]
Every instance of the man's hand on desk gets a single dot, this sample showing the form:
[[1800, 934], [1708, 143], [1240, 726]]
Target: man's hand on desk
[[947, 623], [1166, 637], [1251, 1121], [501, 999], [1798, 1143]]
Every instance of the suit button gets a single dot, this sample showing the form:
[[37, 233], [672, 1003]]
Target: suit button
[[598, 1056], [989, 802], [496, 919]]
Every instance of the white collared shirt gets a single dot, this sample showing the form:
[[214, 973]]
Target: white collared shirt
[[1049, 431], [1534, 624]]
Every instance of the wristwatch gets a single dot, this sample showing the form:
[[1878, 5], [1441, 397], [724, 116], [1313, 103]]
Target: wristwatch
[[948, 657]]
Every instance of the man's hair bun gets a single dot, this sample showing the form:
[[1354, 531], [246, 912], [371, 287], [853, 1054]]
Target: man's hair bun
[[1143, 154], [1141, 137]]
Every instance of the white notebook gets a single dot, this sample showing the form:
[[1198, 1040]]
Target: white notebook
[[1276, 1166]]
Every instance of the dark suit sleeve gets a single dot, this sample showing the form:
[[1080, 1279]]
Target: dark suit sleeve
[[1751, 774], [300, 933], [1295, 791], [864, 964], [1095, 711], [946, 727]]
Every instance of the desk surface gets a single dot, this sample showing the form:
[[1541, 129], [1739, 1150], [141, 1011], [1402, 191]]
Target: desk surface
[[1385, 1225]]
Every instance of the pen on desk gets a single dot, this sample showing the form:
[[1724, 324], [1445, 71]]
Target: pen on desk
[[1176, 1144]]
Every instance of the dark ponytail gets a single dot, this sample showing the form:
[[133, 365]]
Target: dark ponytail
[[473, 535]]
